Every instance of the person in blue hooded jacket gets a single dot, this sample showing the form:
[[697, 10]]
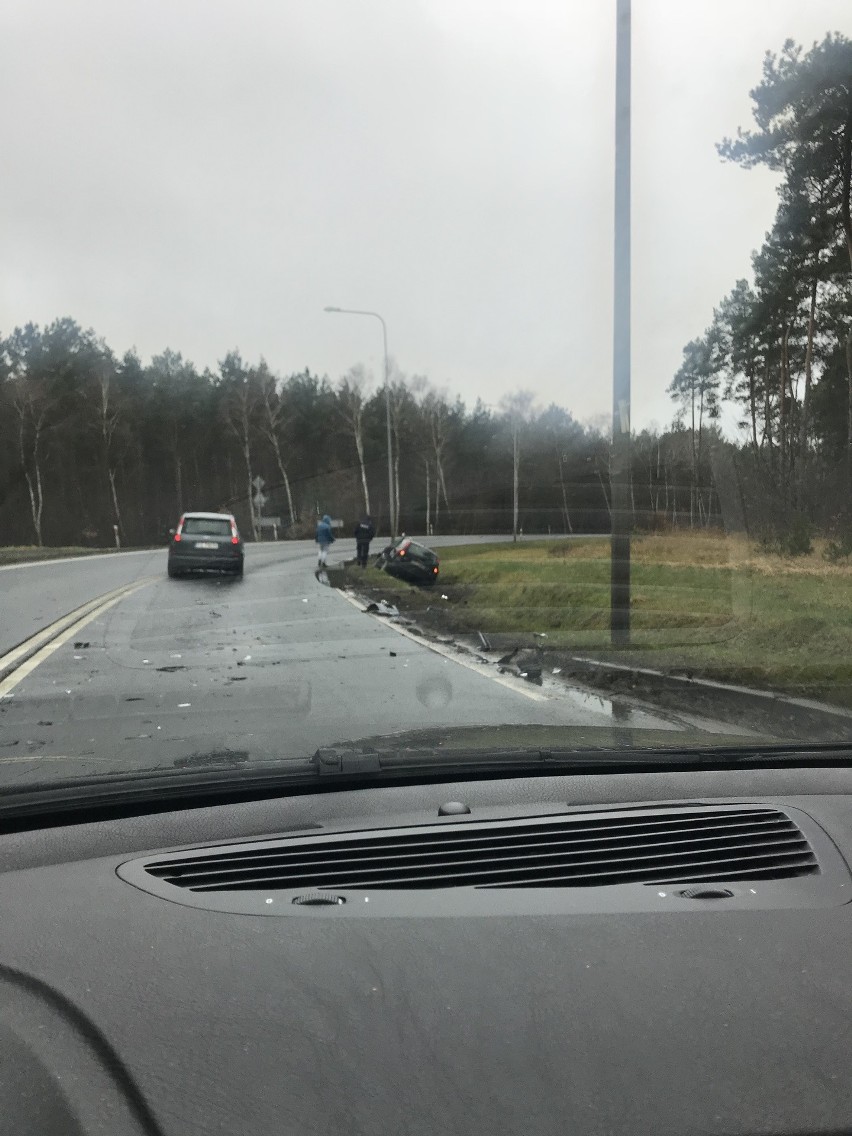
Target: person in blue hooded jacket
[[324, 538]]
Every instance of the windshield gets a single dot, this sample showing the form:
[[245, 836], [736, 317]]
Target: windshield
[[516, 337]]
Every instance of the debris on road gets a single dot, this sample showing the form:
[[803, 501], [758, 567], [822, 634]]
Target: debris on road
[[486, 644], [171, 669], [392, 654], [522, 664], [79, 643], [382, 608]]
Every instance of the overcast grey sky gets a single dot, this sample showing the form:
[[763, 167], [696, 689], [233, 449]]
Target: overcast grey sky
[[209, 174]]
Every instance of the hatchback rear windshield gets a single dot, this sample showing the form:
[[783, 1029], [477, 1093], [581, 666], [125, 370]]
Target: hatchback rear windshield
[[206, 526]]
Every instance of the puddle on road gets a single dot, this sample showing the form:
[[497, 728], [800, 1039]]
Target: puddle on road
[[588, 701], [616, 711]]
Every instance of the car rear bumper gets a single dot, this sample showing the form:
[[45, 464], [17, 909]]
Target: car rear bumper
[[213, 561]]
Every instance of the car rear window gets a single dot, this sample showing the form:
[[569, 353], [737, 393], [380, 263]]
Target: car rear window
[[206, 526]]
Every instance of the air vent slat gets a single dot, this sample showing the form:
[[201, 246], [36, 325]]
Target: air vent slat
[[574, 829], [683, 845], [446, 861], [371, 848], [534, 868]]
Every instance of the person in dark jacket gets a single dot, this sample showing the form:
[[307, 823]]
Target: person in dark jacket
[[324, 538], [365, 530]]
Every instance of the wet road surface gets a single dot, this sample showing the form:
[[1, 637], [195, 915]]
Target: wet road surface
[[273, 665]]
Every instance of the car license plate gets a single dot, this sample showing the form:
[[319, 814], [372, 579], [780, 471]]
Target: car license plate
[[205, 544]]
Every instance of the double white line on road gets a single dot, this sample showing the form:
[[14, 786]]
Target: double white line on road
[[22, 660]]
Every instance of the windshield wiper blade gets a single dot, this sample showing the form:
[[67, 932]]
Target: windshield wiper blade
[[79, 800], [342, 761], [149, 791]]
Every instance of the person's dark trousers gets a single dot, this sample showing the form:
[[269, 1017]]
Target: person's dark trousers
[[363, 550]]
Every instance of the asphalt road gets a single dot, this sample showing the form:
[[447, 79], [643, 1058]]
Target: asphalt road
[[34, 595], [273, 665]]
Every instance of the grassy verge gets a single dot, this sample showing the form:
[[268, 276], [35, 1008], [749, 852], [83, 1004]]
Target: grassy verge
[[29, 554], [704, 603]]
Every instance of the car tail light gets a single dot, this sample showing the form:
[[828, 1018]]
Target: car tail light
[[177, 538], [435, 569], [402, 552], [235, 539]]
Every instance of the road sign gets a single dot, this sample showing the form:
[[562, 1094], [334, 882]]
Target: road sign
[[269, 522]]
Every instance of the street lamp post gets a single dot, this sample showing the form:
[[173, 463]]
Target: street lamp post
[[620, 493], [357, 312]]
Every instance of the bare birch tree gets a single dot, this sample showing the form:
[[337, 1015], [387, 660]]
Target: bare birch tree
[[517, 409], [275, 421], [352, 402]]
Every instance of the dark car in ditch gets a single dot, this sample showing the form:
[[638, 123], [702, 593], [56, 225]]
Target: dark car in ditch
[[407, 559]]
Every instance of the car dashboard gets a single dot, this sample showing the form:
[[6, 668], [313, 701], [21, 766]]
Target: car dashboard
[[244, 968]]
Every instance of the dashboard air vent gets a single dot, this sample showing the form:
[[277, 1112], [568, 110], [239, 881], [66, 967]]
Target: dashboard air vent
[[578, 850]]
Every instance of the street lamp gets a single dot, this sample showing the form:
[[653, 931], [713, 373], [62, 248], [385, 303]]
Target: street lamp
[[375, 315], [620, 493]]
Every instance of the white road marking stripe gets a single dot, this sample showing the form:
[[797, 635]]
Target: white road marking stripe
[[11, 657], [470, 664], [11, 681], [52, 757]]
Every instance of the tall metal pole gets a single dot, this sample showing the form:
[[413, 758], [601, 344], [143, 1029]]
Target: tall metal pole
[[392, 514], [391, 494], [621, 515]]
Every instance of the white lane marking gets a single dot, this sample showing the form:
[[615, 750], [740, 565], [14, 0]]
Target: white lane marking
[[77, 559], [57, 757], [470, 664], [11, 681], [46, 633]]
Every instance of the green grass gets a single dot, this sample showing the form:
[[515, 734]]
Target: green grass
[[707, 603]]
